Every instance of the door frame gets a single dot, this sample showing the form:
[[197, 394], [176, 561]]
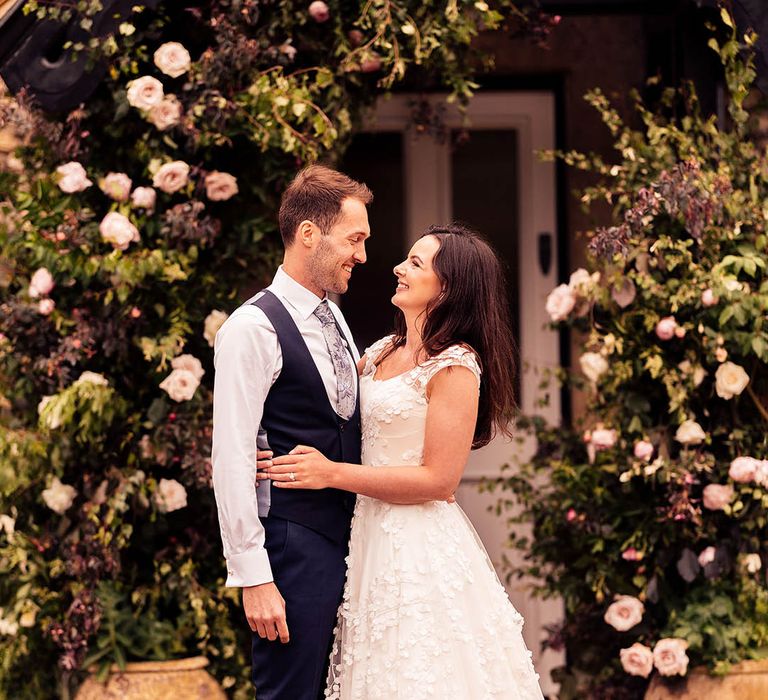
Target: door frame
[[428, 199]]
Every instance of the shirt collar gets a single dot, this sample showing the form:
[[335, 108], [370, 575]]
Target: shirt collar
[[298, 296]]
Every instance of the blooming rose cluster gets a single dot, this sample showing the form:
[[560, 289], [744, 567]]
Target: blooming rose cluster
[[181, 384], [668, 657], [572, 297]]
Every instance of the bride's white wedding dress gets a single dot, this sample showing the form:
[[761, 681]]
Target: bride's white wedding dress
[[424, 614]]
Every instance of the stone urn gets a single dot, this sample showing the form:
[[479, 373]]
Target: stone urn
[[180, 679], [747, 680]]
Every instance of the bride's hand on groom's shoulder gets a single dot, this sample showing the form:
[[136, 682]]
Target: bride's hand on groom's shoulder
[[302, 468]]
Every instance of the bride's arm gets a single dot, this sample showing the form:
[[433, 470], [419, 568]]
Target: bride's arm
[[451, 416]]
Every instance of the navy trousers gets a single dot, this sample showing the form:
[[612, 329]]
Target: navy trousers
[[309, 571]]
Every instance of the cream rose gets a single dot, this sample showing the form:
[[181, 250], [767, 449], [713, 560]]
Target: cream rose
[[171, 177], [560, 302], [117, 186], [144, 198], [118, 230], [59, 497], [172, 59], [41, 283], [170, 495], [744, 469], [180, 384], [593, 365], [165, 114], [637, 660], [624, 613], [690, 433], [8, 628], [220, 186], [730, 380], [213, 321], [72, 177], [669, 657], [145, 92], [717, 496], [753, 563]]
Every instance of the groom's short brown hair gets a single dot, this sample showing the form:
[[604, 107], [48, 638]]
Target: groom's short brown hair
[[315, 195]]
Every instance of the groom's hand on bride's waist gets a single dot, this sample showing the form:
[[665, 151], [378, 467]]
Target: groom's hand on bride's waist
[[265, 611]]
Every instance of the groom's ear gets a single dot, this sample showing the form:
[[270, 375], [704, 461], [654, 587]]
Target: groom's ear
[[307, 233]]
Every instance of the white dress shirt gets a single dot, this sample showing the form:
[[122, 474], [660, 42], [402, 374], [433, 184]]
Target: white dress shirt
[[248, 360]]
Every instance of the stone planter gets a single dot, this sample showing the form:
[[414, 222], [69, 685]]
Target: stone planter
[[155, 680], [747, 680]]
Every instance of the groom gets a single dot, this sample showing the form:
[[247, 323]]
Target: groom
[[285, 375]]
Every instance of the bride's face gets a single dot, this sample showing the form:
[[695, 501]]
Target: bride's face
[[417, 282]]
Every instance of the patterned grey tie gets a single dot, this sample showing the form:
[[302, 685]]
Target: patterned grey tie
[[345, 379]]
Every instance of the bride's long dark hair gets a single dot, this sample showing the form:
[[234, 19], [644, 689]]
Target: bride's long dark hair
[[472, 310]]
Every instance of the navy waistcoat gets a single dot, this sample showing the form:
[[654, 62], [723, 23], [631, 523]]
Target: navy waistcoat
[[297, 412]]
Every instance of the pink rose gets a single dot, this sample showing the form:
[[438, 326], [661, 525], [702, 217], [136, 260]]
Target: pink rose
[[319, 11], [571, 515], [220, 186], [118, 230], [708, 298], [603, 438], [631, 554], [117, 186], [189, 363], [144, 198], [717, 496], [707, 556], [624, 613], [560, 302], [287, 50], [41, 283], [145, 92], [637, 660], [669, 657], [744, 469], [171, 177], [72, 177], [172, 59], [165, 114], [665, 329], [46, 307], [643, 450]]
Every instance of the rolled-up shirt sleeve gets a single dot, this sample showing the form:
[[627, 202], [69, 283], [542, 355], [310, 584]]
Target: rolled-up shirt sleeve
[[246, 358]]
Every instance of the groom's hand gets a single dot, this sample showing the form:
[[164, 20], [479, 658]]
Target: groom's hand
[[265, 611]]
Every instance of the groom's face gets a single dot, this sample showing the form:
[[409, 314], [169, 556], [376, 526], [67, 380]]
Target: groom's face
[[340, 249]]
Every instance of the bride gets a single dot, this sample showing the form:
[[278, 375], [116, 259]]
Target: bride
[[424, 614]]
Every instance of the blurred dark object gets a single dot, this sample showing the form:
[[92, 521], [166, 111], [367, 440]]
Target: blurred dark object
[[32, 53], [753, 14]]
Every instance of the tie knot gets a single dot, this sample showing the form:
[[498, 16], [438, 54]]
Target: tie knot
[[324, 313]]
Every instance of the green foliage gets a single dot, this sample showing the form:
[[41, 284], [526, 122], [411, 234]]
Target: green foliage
[[674, 342], [109, 547]]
